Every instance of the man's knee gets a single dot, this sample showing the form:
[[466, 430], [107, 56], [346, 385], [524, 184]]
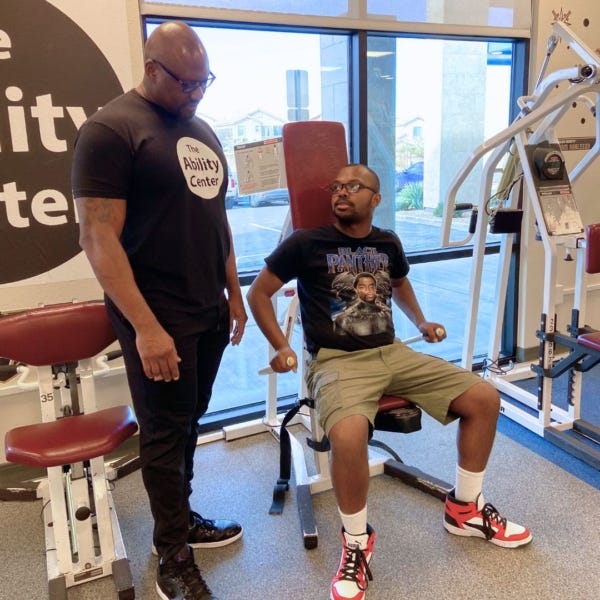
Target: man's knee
[[350, 434], [481, 400]]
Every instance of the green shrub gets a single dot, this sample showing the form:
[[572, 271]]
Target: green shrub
[[410, 197]]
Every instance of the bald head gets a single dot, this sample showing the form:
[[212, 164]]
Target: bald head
[[175, 56], [174, 42]]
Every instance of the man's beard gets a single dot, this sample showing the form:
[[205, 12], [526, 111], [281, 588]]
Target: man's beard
[[346, 219]]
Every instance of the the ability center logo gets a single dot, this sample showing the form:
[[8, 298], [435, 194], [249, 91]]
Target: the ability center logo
[[53, 77]]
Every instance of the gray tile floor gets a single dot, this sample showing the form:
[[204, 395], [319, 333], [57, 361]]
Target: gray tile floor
[[415, 559]]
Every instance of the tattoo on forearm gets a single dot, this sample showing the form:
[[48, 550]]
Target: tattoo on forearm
[[98, 209]]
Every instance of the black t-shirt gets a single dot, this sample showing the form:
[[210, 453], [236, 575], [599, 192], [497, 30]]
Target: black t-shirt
[[344, 285], [173, 175]]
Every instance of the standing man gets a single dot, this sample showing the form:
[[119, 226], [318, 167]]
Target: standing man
[[149, 179], [352, 367]]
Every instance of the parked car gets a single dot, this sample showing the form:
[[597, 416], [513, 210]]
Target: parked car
[[276, 196], [412, 174], [232, 195]]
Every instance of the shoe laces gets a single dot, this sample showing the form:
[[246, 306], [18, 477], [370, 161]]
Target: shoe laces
[[198, 519], [355, 562], [490, 516], [194, 585]]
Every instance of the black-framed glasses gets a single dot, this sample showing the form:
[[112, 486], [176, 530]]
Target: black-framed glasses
[[352, 187], [188, 86]]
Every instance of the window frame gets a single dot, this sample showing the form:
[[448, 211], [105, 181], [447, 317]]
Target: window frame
[[358, 152]]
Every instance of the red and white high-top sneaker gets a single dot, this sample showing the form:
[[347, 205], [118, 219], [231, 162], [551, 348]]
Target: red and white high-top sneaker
[[353, 575], [481, 519]]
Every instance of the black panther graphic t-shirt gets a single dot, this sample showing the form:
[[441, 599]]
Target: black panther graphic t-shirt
[[344, 285]]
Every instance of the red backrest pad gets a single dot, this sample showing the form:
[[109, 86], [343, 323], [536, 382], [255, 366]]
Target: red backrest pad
[[314, 153], [56, 334], [592, 248]]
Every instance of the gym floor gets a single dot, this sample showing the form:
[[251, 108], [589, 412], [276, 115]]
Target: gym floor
[[414, 558]]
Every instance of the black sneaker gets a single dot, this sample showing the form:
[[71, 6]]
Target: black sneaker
[[177, 580], [212, 533]]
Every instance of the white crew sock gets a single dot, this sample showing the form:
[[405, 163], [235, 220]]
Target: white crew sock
[[355, 527], [468, 485]]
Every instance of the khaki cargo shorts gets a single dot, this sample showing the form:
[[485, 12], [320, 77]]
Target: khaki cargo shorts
[[348, 383]]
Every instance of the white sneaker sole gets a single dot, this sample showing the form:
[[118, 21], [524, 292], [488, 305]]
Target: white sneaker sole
[[219, 544], [476, 533]]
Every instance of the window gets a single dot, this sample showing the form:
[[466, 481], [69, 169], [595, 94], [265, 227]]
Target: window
[[482, 14], [444, 97], [428, 103]]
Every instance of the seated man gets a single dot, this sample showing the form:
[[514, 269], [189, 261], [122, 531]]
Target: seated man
[[351, 369]]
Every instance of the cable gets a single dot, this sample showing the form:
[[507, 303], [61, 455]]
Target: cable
[[501, 195], [493, 366], [507, 181]]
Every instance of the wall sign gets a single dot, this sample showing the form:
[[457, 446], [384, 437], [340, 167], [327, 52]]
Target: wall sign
[[53, 76], [260, 166]]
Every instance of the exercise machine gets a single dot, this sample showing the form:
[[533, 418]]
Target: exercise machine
[[60, 343], [535, 171], [314, 153]]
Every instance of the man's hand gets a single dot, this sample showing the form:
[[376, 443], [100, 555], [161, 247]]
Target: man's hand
[[284, 360], [432, 332], [158, 354], [237, 319]]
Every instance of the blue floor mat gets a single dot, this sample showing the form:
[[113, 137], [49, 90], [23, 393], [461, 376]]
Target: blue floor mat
[[590, 411]]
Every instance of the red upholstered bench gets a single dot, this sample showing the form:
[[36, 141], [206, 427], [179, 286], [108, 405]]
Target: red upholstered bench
[[62, 334], [398, 415], [58, 343], [69, 440], [590, 340]]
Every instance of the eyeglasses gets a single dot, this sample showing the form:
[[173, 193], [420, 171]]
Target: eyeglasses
[[187, 87], [353, 187]]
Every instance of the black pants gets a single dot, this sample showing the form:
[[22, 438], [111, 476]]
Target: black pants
[[168, 415]]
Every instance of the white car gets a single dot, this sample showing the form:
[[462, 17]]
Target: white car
[[276, 196]]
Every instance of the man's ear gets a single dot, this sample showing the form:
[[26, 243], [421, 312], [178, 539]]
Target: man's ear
[[376, 200], [150, 68]]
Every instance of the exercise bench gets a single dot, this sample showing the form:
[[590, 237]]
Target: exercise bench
[[83, 539], [314, 153], [583, 353]]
